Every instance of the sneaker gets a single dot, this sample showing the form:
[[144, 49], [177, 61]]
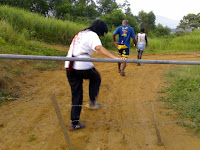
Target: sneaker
[[94, 105], [75, 127], [119, 71], [123, 73]]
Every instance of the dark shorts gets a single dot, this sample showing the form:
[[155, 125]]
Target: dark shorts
[[123, 51]]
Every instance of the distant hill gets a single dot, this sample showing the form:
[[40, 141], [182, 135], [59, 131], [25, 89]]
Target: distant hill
[[170, 23]]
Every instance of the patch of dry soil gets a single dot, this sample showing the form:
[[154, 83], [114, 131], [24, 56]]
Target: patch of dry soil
[[128, 125]]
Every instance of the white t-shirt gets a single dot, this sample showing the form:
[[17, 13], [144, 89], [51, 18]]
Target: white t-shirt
[[83, 45], [141, 38]]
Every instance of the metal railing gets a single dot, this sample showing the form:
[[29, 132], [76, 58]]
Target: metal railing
[[61, 58]]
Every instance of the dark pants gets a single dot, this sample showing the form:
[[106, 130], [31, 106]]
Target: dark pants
[[75, 78]]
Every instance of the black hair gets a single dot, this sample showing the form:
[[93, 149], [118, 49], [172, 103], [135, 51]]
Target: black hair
[[99, 27], [142, 30]]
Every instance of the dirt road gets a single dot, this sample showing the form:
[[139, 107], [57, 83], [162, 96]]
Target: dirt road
[[124, 122]]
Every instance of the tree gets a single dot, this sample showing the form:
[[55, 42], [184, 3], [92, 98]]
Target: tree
[[132, 20], [151, 20], [161, 31], [190, 21], [16, 3], [77, 8], [146, 20], [37, 6], [106, 6], [63, 9], [114, 19], [125, 6]]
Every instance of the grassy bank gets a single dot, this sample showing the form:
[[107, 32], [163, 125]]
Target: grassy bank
[[35, 26], [13, 41], [173, 44], [184, 94]]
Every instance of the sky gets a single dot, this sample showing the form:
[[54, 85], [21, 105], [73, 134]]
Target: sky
[[171, 9]]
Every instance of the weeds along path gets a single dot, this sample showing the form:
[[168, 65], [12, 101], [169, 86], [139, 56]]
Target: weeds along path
[[127, 126]]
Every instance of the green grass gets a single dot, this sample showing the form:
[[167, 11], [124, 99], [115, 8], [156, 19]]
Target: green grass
[[184, 94], [47, 65], [4, 95], [172, 44], [35, 26], [31, 48], [13, 41], [32, 138]]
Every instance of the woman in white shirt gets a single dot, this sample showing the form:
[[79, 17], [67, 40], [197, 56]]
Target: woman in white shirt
[[83, 45]]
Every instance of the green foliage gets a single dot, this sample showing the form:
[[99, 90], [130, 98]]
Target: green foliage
[[14, 42], [171, 44], [2, 41], [82, 8], [2, 101], [4, 95], [8, 34], [32, 138], [132, 21], [19, 42], [27, 26], [159, 31], [18, 26], [38, 27], [183, 92], [13, 70], [83, 21], [47, 65], [180, 33], [190, 21], [146, 20], [114, 19], [30, 48], [37, 6], [107, 41], [106, 6]]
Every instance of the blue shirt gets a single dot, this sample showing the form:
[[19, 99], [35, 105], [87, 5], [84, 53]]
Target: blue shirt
[[125, 33]]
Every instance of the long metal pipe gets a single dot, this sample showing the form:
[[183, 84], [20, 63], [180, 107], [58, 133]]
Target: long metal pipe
[[59, 58]]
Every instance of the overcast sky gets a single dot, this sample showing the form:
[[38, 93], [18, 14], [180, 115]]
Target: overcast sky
[[172, 9]]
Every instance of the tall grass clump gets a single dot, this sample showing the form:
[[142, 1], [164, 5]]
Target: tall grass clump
[[187, 42], [14, 42], [39, 27], [107, 41], [171, 44], [35, 26], [184, 94], [8, 34]]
